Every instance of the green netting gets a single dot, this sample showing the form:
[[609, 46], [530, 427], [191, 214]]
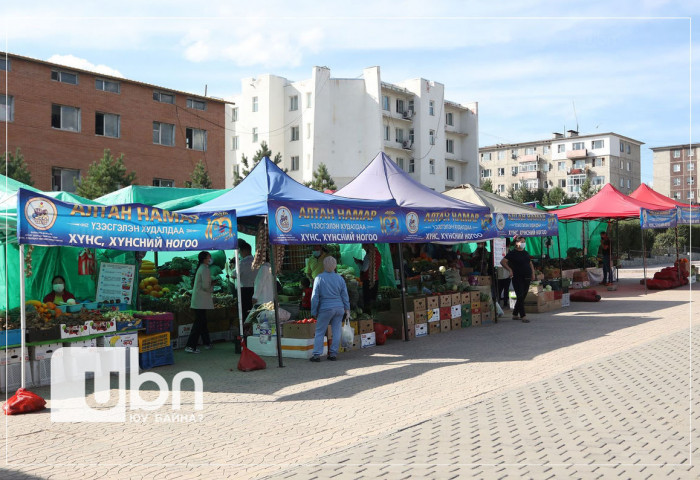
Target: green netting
[[386, 272], [150, 195]]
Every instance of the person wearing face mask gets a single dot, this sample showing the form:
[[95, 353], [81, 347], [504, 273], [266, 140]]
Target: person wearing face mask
[[58, 295], [201, 302], [519, 266], [314, 264]]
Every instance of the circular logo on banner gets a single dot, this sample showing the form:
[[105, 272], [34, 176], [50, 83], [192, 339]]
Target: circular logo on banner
[[500, 221], [283, 219], [412, 222], [40, 213]]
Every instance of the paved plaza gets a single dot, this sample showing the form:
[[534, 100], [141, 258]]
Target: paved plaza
[[596, 390]]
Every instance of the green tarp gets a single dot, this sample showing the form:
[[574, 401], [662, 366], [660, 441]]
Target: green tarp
[[151, 196]]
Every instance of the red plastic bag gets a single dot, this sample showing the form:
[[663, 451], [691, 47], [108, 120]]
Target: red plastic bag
[[381, 332], [23, 401], [585, 296], [249, 360]]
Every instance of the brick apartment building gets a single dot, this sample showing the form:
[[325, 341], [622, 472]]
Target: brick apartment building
[[63, 118], [675, 172]]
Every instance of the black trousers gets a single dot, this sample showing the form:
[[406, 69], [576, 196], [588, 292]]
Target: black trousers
[[520, 285], [247, 300], [199, 328], [369, 295], [503, 288]]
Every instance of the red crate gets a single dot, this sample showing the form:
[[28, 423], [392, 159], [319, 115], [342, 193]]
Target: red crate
[[161, 322]]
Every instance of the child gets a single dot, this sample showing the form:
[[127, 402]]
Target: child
[[305, 304]]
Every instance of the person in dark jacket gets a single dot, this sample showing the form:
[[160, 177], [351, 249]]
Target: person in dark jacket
[[519, 265]]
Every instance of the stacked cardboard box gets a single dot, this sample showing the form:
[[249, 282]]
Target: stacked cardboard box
[[539, 300]]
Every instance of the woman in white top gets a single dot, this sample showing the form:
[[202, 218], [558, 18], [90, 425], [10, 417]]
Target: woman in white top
[[201, 302]]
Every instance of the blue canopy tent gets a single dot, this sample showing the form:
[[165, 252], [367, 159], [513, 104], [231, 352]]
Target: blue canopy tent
[[260, 194], [384, 180]]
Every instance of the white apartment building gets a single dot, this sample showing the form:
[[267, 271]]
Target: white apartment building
[[564, 161], [345, 122]]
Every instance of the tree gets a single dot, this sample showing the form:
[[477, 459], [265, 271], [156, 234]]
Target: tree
[[263, 152], [105, 176], [322, 179], [555, 196], [522, 194], [199, 178], [487, 186], [17, 167], [587, 190]]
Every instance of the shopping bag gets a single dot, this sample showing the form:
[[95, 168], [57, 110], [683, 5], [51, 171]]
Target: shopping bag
[[250, 360], [23, 401], [348, 334], [499, 310]]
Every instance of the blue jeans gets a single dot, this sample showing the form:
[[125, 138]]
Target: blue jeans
[[335, 318], [607, 271]]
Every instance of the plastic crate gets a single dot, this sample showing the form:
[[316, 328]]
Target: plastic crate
[[11, 377], [10, 337], [153, 341], [162, 322], [156, 358]]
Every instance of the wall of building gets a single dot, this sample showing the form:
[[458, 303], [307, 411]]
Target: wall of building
[[45, 147]]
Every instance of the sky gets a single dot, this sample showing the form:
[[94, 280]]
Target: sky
[[535, 67]]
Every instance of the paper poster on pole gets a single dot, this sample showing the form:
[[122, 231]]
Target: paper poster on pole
[[115, 283], [499, 251]]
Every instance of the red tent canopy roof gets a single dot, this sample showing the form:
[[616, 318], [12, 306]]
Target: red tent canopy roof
[[644, 193], [608, 203]]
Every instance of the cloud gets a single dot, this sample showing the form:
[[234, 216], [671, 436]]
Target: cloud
[[83, 64]]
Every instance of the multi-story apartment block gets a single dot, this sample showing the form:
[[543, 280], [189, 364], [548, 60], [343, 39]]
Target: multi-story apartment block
[[63, 118], [675, 172], [564, 161], [345, 123]]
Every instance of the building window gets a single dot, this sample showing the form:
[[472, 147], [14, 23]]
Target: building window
[[308, 99], [163, 134], [411, 106], [485, 173], [599, 162], [629, 167], [385, 103], [410, 136], [432, 137], [431, 108], [107, 125], [622, 146], [7, 108], [622, 182], [677, 167], [411, 165], [574, 183], [295, 134], [450, 147], [528, 167], [562, 183], [597, 143], [690, 152], [255, 134], [578, 146], [162, 182], [295, 163], [561, 148], [164, 97], [107, 85], [234, 114], [561, 166], [485, 156], [532, 184], [64, 77], [64, 179], [65, 118], [501, 172], [399, 135], [399, 105], [580, 164], [502, 155], [622, 165], [677, 195], [501, 188], [677, 182], [690, 196], [399, 162], [598, 181], [628, 183], [196, 139], [293, 103], [5, 64], [629, 148], [690, 166], [545, 149], [449, 119], [530, 151], [387, 133], [255, 104], [690, 180], [234, 143], [514, 171], [196, 104], [451, 173], [308, 130], [432, 166]]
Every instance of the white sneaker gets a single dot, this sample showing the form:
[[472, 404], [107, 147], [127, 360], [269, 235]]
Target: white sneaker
[[209, 347], [192, 350]]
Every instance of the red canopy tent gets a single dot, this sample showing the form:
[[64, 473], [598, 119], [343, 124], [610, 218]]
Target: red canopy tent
[[608, 203], [644, 193]]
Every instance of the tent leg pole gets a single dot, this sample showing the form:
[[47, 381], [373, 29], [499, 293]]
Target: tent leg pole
[[677, 257], [23, 312], [561, 275], [617, 237], [403, 293], [276, 306], [494, 282], [644, 261], [238, 292]]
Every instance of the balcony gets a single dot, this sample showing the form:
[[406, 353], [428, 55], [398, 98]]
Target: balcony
[[530, 175], [582, 153], [406, 115], [578, 171], [529, 158]]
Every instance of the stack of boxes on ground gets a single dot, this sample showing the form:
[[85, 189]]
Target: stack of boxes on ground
[[546, 294]]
